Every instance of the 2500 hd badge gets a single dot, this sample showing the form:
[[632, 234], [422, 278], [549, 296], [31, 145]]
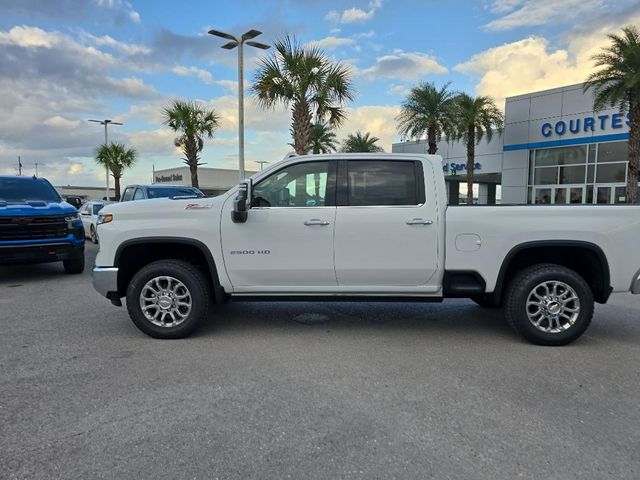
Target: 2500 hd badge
[[250, 252]]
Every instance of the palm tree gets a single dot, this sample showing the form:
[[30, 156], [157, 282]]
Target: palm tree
[[116, 158], [303, 78], [361, 142], [476, 117], [618, 83], [427, 110], [193, 121], [322, 139]]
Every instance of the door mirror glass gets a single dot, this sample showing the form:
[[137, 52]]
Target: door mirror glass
[[241, 203]]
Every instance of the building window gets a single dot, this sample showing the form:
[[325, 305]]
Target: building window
[[594, 173]]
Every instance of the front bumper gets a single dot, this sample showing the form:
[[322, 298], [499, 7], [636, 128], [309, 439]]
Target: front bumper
[[38, 252], [105, 281]]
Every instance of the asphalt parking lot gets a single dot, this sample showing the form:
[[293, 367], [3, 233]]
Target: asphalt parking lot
[[308, 390]]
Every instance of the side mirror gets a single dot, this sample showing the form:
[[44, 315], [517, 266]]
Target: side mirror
[[242, 202]]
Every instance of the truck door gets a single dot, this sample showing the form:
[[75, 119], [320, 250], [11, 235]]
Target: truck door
[[386, 230], [287, 241]]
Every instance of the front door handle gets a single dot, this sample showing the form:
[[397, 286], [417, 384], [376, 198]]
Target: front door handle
[[316, 221], [419, 221]]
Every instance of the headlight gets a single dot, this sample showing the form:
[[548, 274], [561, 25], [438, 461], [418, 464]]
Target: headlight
[[72, 217], [104, 218]]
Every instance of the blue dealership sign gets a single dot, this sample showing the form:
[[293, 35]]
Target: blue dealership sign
[[597, 123]]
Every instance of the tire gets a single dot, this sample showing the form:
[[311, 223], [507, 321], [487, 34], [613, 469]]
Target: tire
[[94, 235], [176, 320], [486, 301], [531, 298], [75, 263]]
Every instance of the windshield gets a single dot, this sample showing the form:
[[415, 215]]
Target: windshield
[[164, 192], [22, 190]]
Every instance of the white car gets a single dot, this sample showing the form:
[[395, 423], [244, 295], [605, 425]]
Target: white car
[[371, 227], [89, 216]]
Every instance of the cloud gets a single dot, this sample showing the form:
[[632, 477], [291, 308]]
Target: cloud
[[108, 41], [527, 13], [203, 75], [408, 66], [75, 168], [398, 90], [379, 120], [531, 64], [60, 122], [354, 15], [64, 11], [331, 43]]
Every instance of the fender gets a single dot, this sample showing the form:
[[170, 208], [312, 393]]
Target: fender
[[218, 290], [602, 258]]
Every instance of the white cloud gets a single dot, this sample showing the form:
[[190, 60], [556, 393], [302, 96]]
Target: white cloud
[[379, 120], [331, 43], [398, 90], [354, 15], [519, 13], [121, 5], [408, 66], [75, 168], [368, 34], [203, 75], [108, 41], [531, 64], [60, 122]]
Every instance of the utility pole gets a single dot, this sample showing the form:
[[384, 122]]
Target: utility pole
[[36, 169], [106, 123], [19, 167]]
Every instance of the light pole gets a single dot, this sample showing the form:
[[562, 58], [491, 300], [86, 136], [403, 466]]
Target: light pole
[[106, 123], [239, 42]]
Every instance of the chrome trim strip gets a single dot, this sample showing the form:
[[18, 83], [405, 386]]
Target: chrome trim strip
[[105, 280]]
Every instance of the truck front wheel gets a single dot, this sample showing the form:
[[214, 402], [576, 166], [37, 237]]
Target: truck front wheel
[[549, 304], [168, 299], [75, 262]]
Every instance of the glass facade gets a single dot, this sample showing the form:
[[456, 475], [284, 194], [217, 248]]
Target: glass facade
[[593, 173]]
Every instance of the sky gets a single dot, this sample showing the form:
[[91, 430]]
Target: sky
[[64, 62]]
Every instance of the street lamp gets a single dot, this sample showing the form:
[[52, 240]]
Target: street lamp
[[261, 163], [106, 123], [239, 42]]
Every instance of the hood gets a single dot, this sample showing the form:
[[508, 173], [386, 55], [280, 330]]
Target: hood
[[162, 207], [36, 209]]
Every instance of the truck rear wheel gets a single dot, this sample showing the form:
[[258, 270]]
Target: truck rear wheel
[[168, 299], [75, 263], [549, 304]]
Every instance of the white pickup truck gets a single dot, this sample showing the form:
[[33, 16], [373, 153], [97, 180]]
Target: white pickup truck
[[364, 226]]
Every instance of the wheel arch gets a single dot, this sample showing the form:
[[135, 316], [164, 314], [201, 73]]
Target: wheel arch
[[586, 258], [134, 254]]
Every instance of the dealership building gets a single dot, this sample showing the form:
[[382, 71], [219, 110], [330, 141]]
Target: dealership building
[[212, 181], [554, 149]]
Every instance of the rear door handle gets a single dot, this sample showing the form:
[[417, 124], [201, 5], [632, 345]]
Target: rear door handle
[[316, 221], [419, 221]]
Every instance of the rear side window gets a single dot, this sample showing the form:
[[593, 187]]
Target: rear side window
[[139, 195], [166, 192], [383, 182]]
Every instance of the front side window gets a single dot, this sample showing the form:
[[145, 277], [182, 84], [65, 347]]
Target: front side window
[[382, 182], [299, 185], [128, 193]]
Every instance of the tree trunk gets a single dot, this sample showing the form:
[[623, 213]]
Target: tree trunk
[[471, 155], [633, 149], [301, 126], [116, 179], [431, 139], [190, 149]]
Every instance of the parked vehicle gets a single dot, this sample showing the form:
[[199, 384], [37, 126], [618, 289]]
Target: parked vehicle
[[89, 216], [364, 226], [37, 225], [144, 192]]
